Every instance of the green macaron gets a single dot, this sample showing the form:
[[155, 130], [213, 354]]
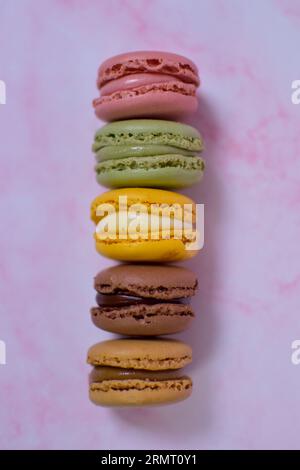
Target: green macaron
[[148, 153]]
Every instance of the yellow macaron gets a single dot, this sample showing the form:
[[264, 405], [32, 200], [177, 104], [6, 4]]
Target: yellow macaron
[[145, 225]]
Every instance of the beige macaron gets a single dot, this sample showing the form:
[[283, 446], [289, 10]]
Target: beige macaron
[[132, 372]]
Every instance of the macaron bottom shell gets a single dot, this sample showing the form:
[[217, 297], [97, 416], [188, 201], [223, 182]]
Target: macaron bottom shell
[[158, 104], [139, 392], [165, 171], [163, 251], [143, 320]]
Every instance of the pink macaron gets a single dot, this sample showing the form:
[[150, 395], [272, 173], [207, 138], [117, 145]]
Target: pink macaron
[[146, 84]]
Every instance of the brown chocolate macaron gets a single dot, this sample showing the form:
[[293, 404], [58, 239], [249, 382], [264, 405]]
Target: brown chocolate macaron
[[139, 300]]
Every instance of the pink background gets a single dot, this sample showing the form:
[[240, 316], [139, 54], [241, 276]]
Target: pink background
[[246, 390]]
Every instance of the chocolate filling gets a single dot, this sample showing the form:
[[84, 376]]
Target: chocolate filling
[[122, 300], [101, 373]]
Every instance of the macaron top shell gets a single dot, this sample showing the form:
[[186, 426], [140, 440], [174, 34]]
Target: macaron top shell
[[145, 196], [153, 281], [140, 354], [150, 62]]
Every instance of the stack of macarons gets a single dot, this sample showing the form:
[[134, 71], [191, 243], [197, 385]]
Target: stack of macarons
[[141, 155]]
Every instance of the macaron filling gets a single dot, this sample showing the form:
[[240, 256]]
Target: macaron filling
[[174, 87], [150, 227], [112, 152], [136, 80], [123, 300], [102, 373]]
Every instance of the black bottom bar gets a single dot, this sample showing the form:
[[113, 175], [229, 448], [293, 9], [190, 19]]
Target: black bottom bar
[[134, 459]]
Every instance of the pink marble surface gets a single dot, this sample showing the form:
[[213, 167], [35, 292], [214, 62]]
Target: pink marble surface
[[246, 390]]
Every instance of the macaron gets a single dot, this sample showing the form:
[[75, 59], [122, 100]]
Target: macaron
[[130, 372], [145, 225], [148, 153], [146, 84], [139, 300]]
